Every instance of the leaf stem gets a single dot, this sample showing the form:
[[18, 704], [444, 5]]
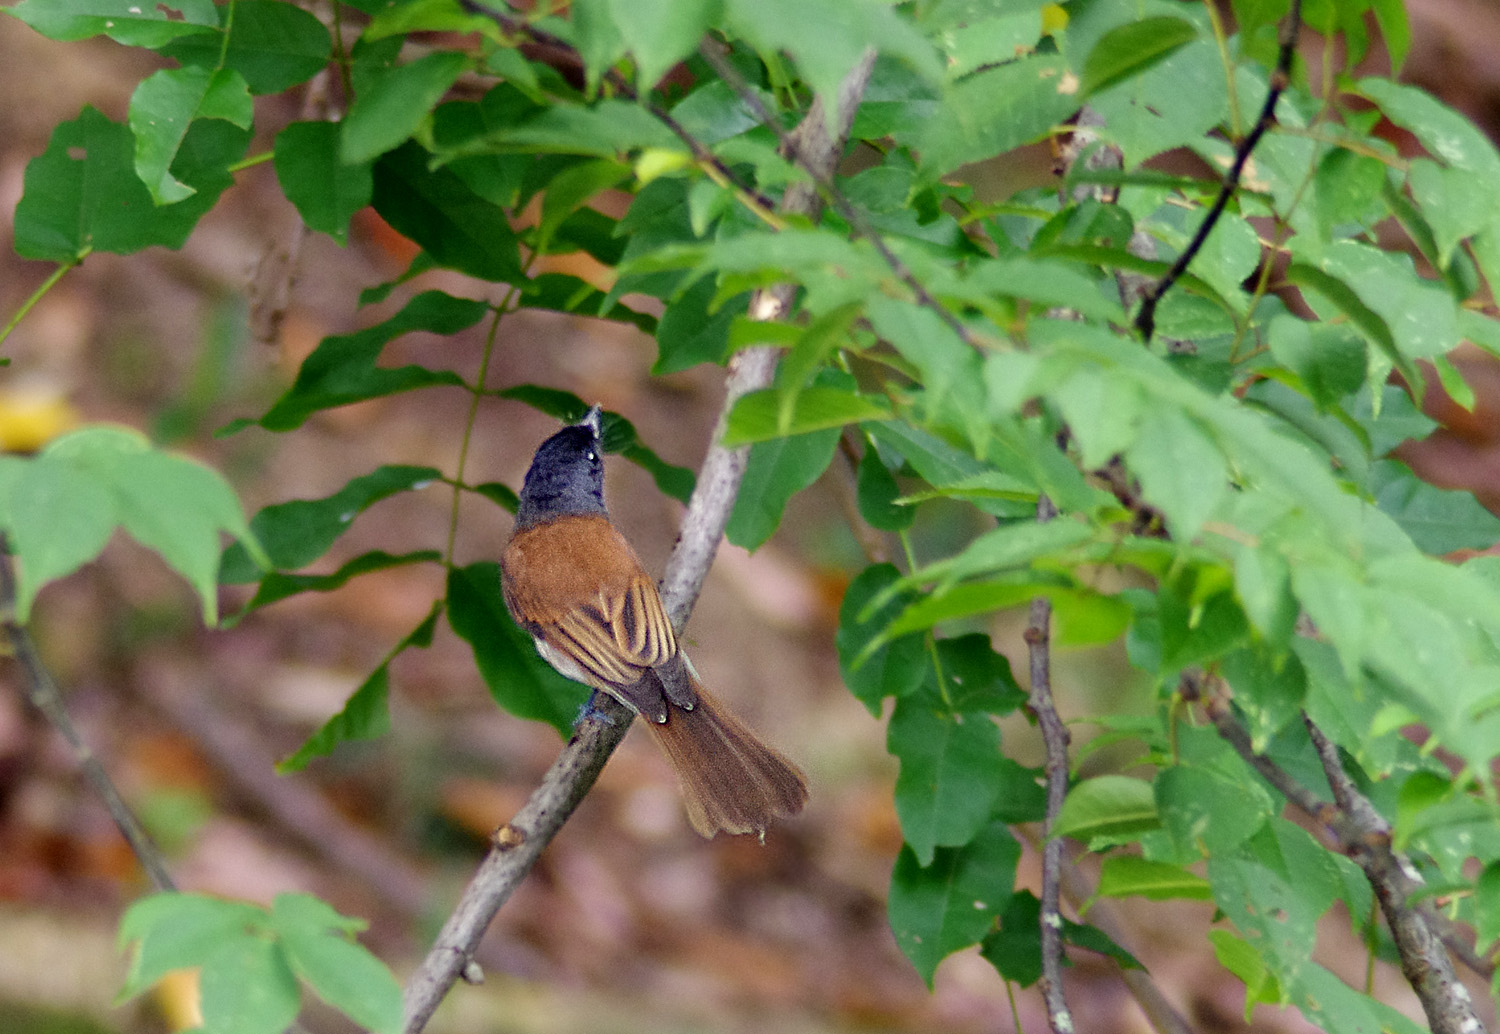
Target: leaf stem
[[476, 393], [41, 291]]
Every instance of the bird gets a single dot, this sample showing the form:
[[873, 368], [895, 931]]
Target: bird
[[572, 580]]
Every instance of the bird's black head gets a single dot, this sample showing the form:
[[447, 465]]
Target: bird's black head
[[566, 475]]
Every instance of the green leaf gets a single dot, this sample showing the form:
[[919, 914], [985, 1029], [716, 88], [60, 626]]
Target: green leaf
[[1204, 809], [1110, 805], [83, 194], [760, 417], [1487, 906], [660, 33], [326, 192], [1369, 322], [294, 913], [60, 507], [1130, 49], [950, 773], [276, 586], [1182, 470], [342, 369], [1438, 520], [178, 931], [365, 716], [273, 45], [692, 331], [826, 38], [777, 470], [394, 104], [347, 977], [1124, 876], [895, 668], [297, 532], [1329, 358], [246, 987], [517, 677], [162, 108], [1014, 948], [438, 210], [877, 493], [124, 21], [946, 906], [995, 111]]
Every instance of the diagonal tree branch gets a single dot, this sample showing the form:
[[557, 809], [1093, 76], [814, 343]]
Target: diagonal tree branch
[[519, 843], [1365, 837], [1145, 317], [45, 696]]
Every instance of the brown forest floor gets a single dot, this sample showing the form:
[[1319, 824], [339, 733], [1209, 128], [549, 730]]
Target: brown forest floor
[[630, 923]]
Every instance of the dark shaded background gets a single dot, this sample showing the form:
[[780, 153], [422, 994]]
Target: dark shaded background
[[630, 922]]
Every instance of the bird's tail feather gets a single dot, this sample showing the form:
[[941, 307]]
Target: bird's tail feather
[[730, 780]]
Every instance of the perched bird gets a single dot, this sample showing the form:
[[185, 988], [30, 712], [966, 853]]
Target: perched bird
[[572, 581]]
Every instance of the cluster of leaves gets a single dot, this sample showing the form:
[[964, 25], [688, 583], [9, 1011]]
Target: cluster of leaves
[[253, 960], [1233, 473]]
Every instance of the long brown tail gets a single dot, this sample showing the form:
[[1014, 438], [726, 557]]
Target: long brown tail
[[730, 780]]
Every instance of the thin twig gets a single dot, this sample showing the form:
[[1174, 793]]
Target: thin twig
[[517, 27], [1055, 737], [44, 694], [823, 182], [1365, 837], [519, 843], [1281, 77]]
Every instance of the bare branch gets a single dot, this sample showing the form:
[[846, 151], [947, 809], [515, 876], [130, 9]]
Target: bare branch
[[44, 694], [1055, 736], [1145, 319], [519, 843]]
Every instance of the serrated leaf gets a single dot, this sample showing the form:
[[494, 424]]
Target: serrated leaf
[[437, 209], [347, 977], [517, 677], [246, 987], [273, 45], [342, 369], [777, 470], [326, 191], [1014, 948], [1110, 805], [392, 106], [946, 906], [950, 774], [1130, 49]]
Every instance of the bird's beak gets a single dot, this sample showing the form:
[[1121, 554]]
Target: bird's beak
[[592, 421]]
